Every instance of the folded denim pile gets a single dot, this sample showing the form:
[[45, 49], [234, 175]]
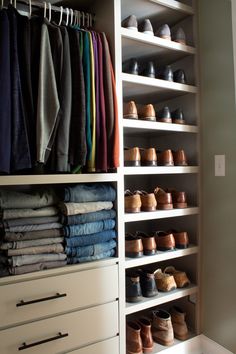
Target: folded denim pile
[[89, 222], [31, 237]]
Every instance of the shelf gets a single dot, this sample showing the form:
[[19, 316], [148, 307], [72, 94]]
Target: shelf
[[177, 346], [160, 170], [57, 179], [163, 11], [161, 298], [137, 86], [152, 46], [160, 256], [160, 214]]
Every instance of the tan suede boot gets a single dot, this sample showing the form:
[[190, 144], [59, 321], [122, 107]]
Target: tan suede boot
[[178, 323], [146, 335], [162, 330], [133, 338]]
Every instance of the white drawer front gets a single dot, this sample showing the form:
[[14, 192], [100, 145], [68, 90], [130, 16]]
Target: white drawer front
[[110, 346], [82, 327], [77, 290]]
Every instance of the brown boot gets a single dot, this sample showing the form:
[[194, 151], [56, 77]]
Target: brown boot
[[133, 338], [180, 158], [165, 158], [179, 324], [164, 199], [130, 110], [132, 157], [148, 157], [162, 330], [146, 335], [148, 113]]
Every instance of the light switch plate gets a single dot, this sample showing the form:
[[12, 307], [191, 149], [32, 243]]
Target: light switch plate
[[220, 165]]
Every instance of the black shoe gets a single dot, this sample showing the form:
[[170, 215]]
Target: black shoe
[[178, 116], [179, 76], [164, 32], [133, 288], [179, 36], [164, 115], [166, 73], [130, 23], [146, 27], [148, 284], [149, 70], [132, 67]]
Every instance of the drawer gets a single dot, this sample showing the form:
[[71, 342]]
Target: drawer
[[67, 332], [110, 346], [59, 294]]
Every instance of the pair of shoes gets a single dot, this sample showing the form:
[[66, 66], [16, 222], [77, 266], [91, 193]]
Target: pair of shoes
[[166, 116], [170, 279], [147, 112], [131, 23], [167, 325], [171, 158], [170, 199], [137, 157], [178, 35], [139, 200], [140, 283], [139, 336], [139, 244], [169, 241], [167, 74]]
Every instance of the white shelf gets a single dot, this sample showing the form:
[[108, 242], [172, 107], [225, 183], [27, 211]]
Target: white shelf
[[160, 256], [57, 179], [160, 214], [160, 170], [178, 346], [160, 299], [166, 50], [140, 86]]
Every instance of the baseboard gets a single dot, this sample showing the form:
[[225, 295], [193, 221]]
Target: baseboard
[[211, 347]]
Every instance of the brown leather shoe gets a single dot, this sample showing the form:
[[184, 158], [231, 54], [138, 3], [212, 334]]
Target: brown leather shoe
[[181, 239], [130, 110], [133, 338], [165, 158], [147, 112], [180, 277], [146, 335], [179, 324], [180, 158], [133, 246], [132, 157], [148, 157], [148, 201], [165, 282], [132, 202], [162, 330], [149, 243], [165, 241], [179, 199], [164, 199]]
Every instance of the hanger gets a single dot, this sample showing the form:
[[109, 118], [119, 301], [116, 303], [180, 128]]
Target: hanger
[[61, 15], [67, 16], [30, 8], [2, 3], [50, 11], [45, 9], [79, 17], [72, 16]]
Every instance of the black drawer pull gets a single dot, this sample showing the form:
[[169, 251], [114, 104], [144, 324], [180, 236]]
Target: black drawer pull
[[24, 303], [27, 346]]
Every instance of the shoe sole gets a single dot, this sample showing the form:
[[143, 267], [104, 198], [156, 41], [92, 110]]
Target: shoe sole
[[178, 121], [149, 163], [180, 205], [132, 163], [133, 255], [133, 210], [130, 116], [128, 352], [133, 299], [148, 209], [164, 206], [163, 342], [165, 120], [184, 337], [163, 249], [181, 247], [147, 350], [150, 119], [181, 164], [149, 253]]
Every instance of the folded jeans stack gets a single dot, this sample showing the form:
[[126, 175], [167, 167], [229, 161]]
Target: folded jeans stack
[[89, 222], [31, 234]]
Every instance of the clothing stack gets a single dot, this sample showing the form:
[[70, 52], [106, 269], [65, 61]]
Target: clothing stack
[[58, 103], [89, 220], [31, 234]]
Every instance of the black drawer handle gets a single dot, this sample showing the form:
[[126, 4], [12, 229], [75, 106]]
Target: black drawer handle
[[27, 346], [24, 303]]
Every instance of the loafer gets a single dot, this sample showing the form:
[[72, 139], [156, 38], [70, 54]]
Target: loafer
[[147, 112], [164, 32], [162, 329], [179, 199], [180, 158], [165, 241], [179, 323], [180, 277], [133, 246], [147, 282], [130, 110], [132, 287], [180, 77], [179, 36], [178, 116], [166, 74], [164, 199], [149, 70], [165, 158], [181, 239], [165, 282], [134, 343], [132, 67], [132, 202], [146, 334], [132, 157], [164, 115], [146, 27], [148, 157], [149, 243], [148, 201], [130, 22]]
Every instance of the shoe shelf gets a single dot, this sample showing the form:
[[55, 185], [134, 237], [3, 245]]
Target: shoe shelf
[[152, 46], [160, 256], [169, 11], [160, 214], [160, 170], [160, 299], [135, 127], [138, 86], [57, 179], [177, 347]]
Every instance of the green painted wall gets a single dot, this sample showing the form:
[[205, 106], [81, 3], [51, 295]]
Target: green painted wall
[[218, 136]]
